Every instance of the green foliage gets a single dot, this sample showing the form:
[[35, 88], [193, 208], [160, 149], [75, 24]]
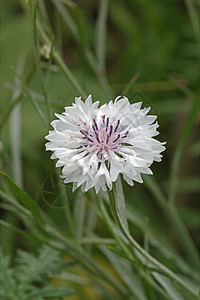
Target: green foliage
[[23, 198], [102, 48], [28, 279]]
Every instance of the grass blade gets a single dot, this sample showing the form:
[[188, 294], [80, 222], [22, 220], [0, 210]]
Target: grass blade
[[20, 231], [68, 19], [12, 201], [128, 89], [37, 57], [101, 34], [24, 198], [15, 129], [79, 216], [121, 201], [193, 13]]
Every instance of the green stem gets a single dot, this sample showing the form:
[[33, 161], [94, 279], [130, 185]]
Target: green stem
[[130, 255], [33, 18], [72, 81], [151, 259], [112, 230], [66, 206]]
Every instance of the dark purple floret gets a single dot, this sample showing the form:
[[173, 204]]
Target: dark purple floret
[[117, 125], [95, 124], [116, 138]]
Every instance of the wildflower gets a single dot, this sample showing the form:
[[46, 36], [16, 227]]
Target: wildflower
[[95, 144]]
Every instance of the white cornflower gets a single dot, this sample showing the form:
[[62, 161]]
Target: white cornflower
[[94, 145]]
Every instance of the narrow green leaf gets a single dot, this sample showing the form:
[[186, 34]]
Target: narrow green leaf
[[120, 200], [168, 286], [69, 3], [24, 198], [149, 291], [15, 127], [97, 241], [52, 292], [11, 200], [70, 277], [37, 60], [20, 231], [128, 89], [79, 216], [150, 283], [121, 254], [126, 273], [101, 34], [194, 17], [138, 262], [67, 18], [13, 209]]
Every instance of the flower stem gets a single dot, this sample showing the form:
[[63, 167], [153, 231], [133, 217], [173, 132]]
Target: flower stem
[[161, 267], [71, 79]]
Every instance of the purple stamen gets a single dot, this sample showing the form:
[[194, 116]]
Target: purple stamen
[[117, 125], [116, 138], [107, 139], [95, 124], [103, 136], [125, 134], [111, 129], [107, 123], [85, 134], [89, 139]]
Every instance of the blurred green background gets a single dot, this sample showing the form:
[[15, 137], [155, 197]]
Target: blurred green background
[[155, 41]]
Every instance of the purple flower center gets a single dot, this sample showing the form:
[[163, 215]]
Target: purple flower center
[[103, 136]]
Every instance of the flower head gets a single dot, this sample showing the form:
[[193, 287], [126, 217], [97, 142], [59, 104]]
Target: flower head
[[94, 144]]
